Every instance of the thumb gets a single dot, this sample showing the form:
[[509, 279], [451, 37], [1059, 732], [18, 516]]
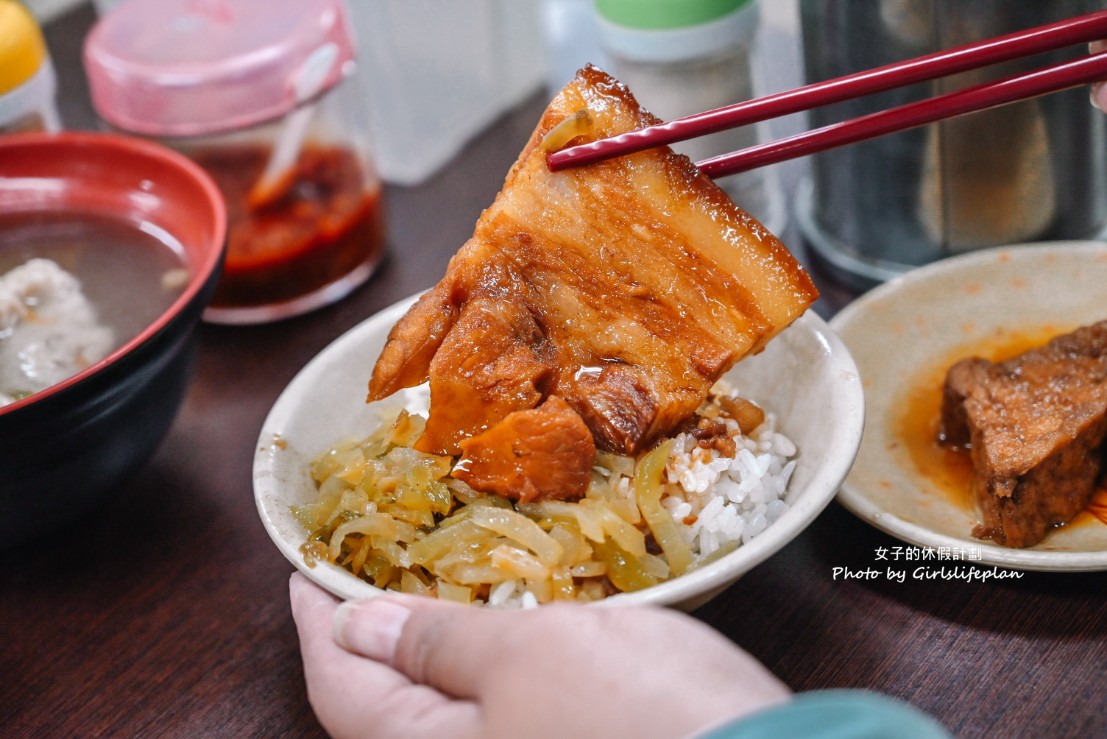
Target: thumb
[[443, 645], [1099, 89]]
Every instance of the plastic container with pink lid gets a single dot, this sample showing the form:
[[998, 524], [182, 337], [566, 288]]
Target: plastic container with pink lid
[[258, 92]]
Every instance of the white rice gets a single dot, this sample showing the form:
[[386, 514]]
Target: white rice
[[722, 500]]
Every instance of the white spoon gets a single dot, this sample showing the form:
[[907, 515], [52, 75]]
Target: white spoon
[[281, 167]]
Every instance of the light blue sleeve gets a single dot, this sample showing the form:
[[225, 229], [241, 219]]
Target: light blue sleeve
[[833, 714]]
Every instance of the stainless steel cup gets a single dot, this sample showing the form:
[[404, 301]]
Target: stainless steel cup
[[1030, 171]]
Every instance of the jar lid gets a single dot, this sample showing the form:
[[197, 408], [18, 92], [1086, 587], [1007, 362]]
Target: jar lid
[[22, 48], [193, 67], [662, 14], [665, 31]]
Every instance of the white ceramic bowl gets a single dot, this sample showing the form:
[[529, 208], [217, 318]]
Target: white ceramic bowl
[[902, 330], [806, 376]]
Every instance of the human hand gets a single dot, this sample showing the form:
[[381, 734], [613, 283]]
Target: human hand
[[398, 666], [1099, 89]]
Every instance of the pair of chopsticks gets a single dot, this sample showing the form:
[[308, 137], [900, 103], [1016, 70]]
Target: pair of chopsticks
[[1088, 69]]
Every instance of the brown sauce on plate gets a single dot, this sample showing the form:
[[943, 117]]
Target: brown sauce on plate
[[916, 422]]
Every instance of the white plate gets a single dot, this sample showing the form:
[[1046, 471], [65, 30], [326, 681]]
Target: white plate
[[805, 376], [906, 325]]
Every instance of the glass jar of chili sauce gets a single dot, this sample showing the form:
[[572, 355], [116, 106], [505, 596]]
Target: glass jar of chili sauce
[[258, 93]]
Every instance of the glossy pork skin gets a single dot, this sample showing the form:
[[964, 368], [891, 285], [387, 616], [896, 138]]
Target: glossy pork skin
[[625, 288]]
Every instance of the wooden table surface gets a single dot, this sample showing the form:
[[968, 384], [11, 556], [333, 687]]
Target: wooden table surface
[[166, 613]]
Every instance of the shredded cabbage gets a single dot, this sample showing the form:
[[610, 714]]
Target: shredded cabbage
[[394, 517]]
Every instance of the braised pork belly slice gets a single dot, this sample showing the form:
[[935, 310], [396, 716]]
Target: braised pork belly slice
[[1036, 426], [535, 454], [625, 288]]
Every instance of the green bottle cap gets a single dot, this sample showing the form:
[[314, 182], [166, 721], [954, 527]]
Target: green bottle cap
[[662, 14]]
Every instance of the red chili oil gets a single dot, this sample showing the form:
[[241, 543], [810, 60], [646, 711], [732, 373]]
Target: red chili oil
[[324, 225]]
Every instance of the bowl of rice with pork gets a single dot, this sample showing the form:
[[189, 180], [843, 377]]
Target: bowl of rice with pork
[[615, 394], [805, 381]]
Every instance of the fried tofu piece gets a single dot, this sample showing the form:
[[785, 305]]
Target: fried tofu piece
[[536, 454], [626, 288], [1035, 425]]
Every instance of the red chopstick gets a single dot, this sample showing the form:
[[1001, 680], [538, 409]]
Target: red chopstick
[[981, 97], [1082, 29]]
